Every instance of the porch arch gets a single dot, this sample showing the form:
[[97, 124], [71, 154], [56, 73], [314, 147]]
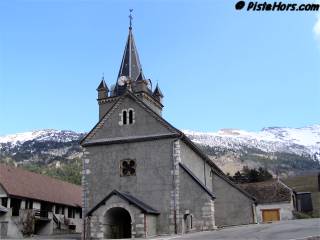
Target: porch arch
[[118, 223]]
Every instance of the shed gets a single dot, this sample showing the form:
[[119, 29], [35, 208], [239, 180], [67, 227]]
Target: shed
[[303, 202]]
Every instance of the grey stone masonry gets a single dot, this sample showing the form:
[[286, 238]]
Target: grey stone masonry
[[98, 219], [174, 216], [85, 192], [208, 215]]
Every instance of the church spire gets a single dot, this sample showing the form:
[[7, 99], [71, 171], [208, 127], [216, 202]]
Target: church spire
[[130, 65], [130, 80], [130, 17]]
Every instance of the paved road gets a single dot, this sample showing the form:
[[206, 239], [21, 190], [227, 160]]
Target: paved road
[[285, 230], [55, 237]]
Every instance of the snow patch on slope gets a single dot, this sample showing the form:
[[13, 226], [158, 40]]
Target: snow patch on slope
[[300, 141], [40, 135]]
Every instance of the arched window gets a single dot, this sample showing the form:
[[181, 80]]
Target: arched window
[[124, 117], [127, 117], [130, 116]]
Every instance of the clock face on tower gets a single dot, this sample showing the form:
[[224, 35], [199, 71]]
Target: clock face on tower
[[122, 80]]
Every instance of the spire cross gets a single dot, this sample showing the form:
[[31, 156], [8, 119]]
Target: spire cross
[[130, 17]]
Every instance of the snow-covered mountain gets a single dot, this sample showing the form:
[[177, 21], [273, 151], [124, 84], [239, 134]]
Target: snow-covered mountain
[[278, 149], [42, 146], [40, 135], [300, 141]]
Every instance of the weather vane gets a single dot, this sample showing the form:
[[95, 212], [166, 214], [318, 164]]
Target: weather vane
[[130, 17]]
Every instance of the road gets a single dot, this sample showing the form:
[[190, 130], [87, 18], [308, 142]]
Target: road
[[284, 230]]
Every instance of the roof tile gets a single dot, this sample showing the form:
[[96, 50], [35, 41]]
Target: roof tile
[[268, 191], [21, 183]]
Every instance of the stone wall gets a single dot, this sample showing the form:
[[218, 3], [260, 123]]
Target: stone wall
[[189, 197], [98, 220], [145, 124], [232, 207], [151, 224], [286, 209], [196, 202], [11, 225], [152, 183]]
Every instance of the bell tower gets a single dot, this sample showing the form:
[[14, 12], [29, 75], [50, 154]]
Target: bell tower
[[130, 78]]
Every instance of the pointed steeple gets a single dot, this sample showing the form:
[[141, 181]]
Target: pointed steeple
[[157, 93], [102, 89], [130, 65], [102, 85]]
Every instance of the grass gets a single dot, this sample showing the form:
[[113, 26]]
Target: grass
[[306, 183]]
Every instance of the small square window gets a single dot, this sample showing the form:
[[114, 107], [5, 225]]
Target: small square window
[[127, 167]]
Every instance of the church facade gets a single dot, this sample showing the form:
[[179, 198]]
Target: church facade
[[142, 177]]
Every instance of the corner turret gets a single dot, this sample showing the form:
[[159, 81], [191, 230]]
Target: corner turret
[[157, 94], [103, 90]]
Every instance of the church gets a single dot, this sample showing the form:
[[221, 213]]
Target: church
[[143, 177]]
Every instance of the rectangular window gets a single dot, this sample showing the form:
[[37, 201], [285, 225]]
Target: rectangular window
[[71, 212], [29, 204], [15, 204], [4, 202], [57, 209]]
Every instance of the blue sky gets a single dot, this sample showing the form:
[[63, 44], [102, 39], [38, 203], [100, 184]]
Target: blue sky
[[217, 67]]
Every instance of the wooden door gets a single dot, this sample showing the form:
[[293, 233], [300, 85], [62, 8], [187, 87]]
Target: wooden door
[[270, 215]]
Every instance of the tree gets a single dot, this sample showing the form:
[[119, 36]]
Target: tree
[[248, 175]]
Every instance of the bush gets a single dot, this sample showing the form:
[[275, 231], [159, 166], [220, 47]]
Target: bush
[[300, 215]]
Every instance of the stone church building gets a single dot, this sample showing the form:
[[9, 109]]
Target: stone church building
[[143, 177]]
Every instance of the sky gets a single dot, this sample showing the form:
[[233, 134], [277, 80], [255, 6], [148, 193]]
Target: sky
[[217, 67]]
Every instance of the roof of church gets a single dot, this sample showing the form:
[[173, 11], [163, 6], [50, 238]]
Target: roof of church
[[268, 191], [176, 133], [128, 197], [86, 140], [197, 180], [21, 183], [130, 64]]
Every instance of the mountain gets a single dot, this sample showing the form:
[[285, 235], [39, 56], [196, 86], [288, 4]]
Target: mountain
[[272, 139], [280, 150], [43, 146]]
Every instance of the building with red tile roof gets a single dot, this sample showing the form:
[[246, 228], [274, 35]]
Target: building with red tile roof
[[53, 205]]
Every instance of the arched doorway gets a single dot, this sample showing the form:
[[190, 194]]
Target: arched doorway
[[117, 223]]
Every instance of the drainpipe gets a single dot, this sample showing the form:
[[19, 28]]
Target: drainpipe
[[145, 226], [174, 189]]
